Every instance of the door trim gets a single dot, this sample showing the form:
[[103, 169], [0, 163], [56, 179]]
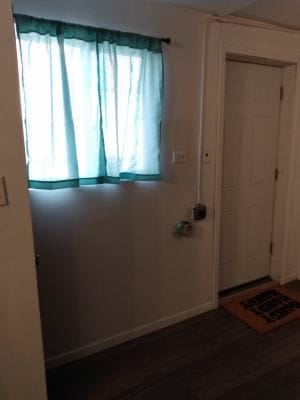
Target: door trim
[[278, 271]]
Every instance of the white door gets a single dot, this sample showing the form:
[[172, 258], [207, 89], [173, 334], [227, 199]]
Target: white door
[[252, 103], [22, 375]]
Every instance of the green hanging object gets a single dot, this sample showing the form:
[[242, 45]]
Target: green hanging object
[[183, 228]]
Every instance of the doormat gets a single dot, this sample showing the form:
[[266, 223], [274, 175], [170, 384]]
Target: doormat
[[265, 309]]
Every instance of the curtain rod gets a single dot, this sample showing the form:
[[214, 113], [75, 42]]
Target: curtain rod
[[166, 40]]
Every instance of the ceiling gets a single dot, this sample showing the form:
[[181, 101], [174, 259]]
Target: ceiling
[[219, 7], [281, 12]]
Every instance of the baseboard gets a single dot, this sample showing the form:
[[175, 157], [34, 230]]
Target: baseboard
[[123, 337]]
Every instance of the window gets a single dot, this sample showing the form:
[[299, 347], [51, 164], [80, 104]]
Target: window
[[91, 101]]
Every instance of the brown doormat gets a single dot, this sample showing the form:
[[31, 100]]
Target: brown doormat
[[265, 309]]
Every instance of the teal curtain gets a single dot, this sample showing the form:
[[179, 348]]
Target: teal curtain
[[91, 100]]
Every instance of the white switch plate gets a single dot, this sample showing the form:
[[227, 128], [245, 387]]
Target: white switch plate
[[180, 157], [3, 193]]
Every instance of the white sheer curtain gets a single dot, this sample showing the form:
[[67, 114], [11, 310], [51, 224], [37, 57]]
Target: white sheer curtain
[[92, 108]]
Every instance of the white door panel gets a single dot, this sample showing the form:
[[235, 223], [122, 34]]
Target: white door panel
[[252, 104]]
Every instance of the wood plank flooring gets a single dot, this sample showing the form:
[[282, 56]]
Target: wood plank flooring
[[210, 357]]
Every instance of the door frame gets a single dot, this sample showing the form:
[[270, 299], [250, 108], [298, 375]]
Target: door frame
[[288, 117]]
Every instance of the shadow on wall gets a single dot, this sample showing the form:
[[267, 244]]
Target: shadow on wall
[[94, 243]]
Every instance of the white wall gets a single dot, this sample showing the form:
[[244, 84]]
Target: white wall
[[109, 262], [21, 354], [110, 267]]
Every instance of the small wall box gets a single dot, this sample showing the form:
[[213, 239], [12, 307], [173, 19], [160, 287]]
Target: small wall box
[[199, 212]]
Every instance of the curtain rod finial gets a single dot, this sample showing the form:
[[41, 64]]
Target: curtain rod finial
[[166, 40]]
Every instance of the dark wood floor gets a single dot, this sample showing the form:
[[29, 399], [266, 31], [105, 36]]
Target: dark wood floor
[[213, 356]]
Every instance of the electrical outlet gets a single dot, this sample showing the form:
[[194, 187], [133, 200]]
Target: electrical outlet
[[3, 193], [180, 157]]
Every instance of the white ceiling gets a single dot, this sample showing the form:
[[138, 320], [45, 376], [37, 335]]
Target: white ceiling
[[219, 7], [281, 12]]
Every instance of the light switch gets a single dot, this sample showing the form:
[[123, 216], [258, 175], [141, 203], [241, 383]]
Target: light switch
[[3, 193], [180, 157]]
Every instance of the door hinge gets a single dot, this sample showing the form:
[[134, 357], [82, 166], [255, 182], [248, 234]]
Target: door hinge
[[276, 174], [281, 93], [271, 248]]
